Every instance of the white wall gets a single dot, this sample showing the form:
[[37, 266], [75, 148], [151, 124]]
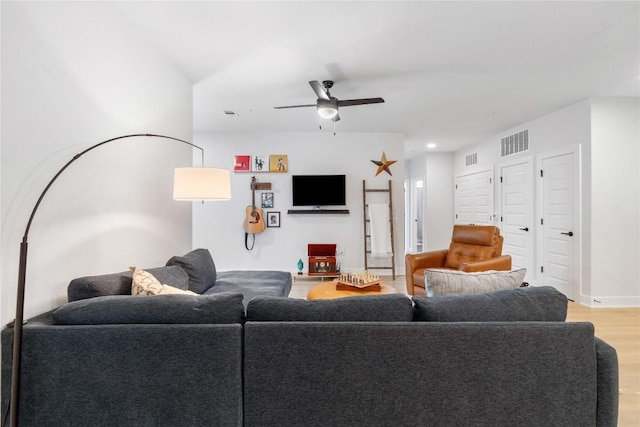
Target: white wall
[[436, 168], [218, 226], [608, 156], [615, 202], [74, 74], [439, 200]]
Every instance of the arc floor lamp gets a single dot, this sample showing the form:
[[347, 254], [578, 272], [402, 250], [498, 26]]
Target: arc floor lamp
[[189, 183]]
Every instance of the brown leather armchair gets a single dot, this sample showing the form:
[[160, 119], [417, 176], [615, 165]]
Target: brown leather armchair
[[473, 248]]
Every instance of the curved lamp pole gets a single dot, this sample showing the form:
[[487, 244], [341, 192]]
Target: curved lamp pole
[[224, 194]]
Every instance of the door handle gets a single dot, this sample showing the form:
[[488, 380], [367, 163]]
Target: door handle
[[525, 229], [570, 233]]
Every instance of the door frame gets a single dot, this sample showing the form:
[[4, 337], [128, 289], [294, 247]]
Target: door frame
[[412, 213], [576, 150]]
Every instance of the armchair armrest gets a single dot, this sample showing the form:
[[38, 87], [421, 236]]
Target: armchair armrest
[[502, 262], [413, 262]]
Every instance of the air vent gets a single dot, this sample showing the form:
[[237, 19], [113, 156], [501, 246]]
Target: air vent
[[516, 143], [230, 113], [472, 159]]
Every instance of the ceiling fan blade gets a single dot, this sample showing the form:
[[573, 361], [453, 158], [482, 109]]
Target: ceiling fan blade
[[317, 88], [336, 118], [295, 106], [349, 102]]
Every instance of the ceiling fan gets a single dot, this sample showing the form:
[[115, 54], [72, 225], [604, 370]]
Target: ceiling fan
[[328, 105]]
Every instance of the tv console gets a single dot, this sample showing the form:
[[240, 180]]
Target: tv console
[[318, 211]]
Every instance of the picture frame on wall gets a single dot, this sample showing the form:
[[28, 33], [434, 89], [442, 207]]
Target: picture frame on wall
[[278, 163], [267, 200], [242, 163], [260, 163], [273, 219]]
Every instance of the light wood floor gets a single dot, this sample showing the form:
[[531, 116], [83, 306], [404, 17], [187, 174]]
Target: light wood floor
[[620, 327]]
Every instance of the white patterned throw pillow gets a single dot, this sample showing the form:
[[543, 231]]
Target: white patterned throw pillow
[[144, 283], [439, 282]]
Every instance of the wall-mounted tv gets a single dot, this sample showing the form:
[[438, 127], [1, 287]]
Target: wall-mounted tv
[[319, 190]]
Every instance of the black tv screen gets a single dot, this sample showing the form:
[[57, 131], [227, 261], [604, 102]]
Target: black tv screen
[[319, 190]]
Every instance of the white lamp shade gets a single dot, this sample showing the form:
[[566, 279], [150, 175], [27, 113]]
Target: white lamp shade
[[200, 183]]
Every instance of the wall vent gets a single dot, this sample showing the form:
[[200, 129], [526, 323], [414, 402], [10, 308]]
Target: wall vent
[[472, 159], [230, 113], [516, 143]]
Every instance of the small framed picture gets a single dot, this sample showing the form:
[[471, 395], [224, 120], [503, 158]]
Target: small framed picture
[[242, 163], [267, 200], [260, 164], [273, 219], [278, 163]]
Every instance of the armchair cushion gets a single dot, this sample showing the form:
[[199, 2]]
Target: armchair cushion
[[473, 243], [439, 282]]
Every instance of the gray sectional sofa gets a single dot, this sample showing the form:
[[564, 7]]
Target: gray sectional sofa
[[505, 358]]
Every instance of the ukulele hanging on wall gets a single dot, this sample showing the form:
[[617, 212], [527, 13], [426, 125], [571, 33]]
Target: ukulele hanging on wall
[[254, 220]]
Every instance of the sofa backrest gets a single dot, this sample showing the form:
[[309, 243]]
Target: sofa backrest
[[127, 375], [352, 373]]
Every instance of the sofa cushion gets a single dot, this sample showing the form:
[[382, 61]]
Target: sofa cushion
[[375, 308], [160, 309], [543, 304], [439, 282], [253, 283], [120, 283], [199, 266]]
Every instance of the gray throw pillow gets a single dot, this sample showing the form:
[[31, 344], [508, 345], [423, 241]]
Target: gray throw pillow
[[158, 309], [531, 304], [439, 282], [370, 308], [199, 266], [120, 283]]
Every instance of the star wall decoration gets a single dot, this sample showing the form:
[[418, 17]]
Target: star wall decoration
[[383, 164]]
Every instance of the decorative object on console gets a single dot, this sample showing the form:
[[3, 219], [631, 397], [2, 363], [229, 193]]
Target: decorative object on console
[[300, 266], [273, 219], [383, 164], [322, 259], [278, 163], [188, 185]]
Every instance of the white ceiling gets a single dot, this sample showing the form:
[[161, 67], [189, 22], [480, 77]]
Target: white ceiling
[[451, 73]]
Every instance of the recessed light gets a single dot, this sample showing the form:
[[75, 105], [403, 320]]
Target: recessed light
[[432, 145], [230, 113]]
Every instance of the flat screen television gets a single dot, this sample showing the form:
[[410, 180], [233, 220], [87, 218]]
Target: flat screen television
[[319, 190]]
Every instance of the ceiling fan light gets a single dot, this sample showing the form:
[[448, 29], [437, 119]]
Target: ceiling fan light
[[327, 112]]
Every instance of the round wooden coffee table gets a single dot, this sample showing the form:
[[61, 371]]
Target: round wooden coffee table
[[327, 290]]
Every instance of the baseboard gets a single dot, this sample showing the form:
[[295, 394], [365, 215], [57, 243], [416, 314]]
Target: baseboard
[[610, 302]]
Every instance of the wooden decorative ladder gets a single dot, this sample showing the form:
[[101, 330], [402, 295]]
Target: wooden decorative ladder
[[367, 233]]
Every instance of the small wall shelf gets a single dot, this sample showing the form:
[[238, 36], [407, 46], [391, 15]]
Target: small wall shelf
[[318, 211]]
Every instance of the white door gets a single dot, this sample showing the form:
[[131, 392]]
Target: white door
[[558, 222], [474, 198], [517, 220]]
